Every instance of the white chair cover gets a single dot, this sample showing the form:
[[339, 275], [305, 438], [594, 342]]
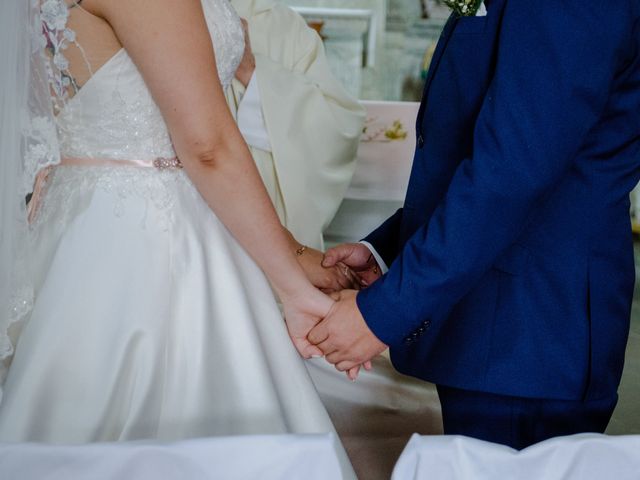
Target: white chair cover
[[269, 457], [576, 457]]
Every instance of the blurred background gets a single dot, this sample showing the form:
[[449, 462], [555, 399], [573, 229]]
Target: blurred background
[[379, 49]]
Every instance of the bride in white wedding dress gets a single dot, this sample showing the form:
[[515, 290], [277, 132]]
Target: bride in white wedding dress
[[150, 314]]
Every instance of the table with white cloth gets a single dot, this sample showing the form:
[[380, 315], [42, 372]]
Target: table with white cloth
[[264, 457]]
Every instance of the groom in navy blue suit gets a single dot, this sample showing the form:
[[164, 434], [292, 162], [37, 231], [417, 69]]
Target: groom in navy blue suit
[[511, 264]]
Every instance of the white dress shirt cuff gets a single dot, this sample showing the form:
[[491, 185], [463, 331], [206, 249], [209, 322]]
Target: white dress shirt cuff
[[250, 119], [383, 266]]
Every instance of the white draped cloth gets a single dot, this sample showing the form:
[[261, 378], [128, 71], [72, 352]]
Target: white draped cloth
[[264, 457], [585, 456]]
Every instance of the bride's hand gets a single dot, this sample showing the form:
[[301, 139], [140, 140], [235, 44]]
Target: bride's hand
[[302, 312]]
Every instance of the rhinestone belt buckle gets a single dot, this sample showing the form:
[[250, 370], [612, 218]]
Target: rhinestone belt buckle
[[164, 163]]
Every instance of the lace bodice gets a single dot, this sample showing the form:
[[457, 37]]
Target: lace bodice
[[114, 116]]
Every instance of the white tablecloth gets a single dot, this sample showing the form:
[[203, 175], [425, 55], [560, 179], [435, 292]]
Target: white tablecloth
[[274, 457], [576, 457]]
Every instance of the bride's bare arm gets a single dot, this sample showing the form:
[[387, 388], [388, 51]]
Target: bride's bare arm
[[170, 44]]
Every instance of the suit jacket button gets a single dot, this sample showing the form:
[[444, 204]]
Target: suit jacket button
[[408, 340], [426, 324]]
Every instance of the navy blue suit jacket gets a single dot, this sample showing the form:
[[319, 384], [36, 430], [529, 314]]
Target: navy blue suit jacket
[[511, 261]]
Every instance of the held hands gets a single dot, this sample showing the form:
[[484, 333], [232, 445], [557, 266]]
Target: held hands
[[302, 312], [358, 258], [344, 337], [330, 278], [339, 333]]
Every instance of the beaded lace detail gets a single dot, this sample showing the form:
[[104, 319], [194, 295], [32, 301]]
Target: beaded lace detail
[[114, 116], [56, 39], [69, 191], [21, 305], [228, 37], [50, 37], [42, 149]]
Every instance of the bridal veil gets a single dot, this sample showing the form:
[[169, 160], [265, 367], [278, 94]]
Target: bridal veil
[[28, 142]]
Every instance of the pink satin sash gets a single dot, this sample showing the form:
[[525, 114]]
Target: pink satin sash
[[159, 163], [41, 177]]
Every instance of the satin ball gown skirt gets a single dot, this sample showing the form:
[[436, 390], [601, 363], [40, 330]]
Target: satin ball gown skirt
[[150, 321]]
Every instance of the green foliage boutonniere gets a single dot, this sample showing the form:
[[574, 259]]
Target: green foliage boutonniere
[[464, 8]]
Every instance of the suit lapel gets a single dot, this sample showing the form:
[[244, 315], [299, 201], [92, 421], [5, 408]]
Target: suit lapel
[[435, 61]]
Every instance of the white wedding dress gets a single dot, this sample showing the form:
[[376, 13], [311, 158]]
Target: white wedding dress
[[150, 321]]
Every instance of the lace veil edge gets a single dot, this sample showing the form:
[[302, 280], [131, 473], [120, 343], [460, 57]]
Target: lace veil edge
[[28, 142]]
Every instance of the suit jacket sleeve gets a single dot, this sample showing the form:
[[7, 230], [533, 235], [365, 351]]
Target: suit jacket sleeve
[[555, 67]]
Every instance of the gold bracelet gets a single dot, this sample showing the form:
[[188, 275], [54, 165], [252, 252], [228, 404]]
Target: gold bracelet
[[301, 250]]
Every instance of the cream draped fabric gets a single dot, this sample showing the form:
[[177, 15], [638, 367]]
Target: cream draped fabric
[[313, 125]]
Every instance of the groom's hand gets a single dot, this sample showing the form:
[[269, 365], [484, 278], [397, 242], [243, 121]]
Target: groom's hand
[[328, 279], [358, 258], [343, 335]]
